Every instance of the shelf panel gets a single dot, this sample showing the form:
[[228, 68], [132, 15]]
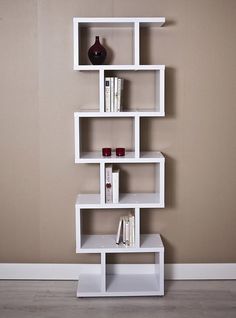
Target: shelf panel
[[107, 243], [96, 157], [118, 114], [131, 67], [127, 200], [101, 21]]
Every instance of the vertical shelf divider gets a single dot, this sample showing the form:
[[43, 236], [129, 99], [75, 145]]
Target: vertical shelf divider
[[162, 182], [76, 42], [162, 91], [102, 183], [137, 136], [78, 227], [77, 137], [136, 43], [103, 272], [159, 270], [137, 227], [101, 90]]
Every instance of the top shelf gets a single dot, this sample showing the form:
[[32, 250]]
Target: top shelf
[[101, 22], [124, 44]]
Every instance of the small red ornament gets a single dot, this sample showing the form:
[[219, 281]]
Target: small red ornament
[[120, 152], [106, 152]]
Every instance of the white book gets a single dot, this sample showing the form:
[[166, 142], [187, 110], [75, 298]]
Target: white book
[[112, 93], [132, 231], [118, 236], [115, 94], [124, 231], [115, 185], [108, 184], [127, 231], [120, 85], [107, 94]]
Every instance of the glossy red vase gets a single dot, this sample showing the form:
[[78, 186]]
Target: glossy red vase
[[97, 53]]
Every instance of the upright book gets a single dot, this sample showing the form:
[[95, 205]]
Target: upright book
[[107, 94], [108, 184], [115, 185]]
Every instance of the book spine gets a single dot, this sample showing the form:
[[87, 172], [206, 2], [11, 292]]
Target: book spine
[[112, 94], [132, 236], [108, 184], [107, 94], [115, 186], [127, 231], [115, 94], [118, 94], [119, 231], [124, 231]]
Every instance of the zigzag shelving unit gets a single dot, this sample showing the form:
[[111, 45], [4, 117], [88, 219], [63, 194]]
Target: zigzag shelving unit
[[150, 280]]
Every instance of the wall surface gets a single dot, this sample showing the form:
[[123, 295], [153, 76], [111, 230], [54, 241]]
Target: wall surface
[[39, 91]]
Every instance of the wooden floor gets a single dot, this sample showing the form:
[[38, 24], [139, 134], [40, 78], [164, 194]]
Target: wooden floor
[[30, 299]]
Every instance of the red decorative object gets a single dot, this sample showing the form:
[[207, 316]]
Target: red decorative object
[[106, 152], [120, 152], [97, 53]]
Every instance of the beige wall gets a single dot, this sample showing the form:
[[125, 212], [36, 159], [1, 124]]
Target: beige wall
[[39, 92]]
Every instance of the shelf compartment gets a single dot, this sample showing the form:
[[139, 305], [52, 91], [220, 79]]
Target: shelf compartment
[[125, 31], [101, 243], [92, 134], [133, 285], [125, 279], [136, 94], [140, 182], [135, 279], [93, 235]]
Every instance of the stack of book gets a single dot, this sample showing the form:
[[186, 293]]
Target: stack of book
[[113, 94], [125, 232], [111, 184]]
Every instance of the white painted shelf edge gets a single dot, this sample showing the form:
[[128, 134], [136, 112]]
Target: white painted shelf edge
[[100, 243], [159, 21], [119, 114], [119, 67], [97, 157], [127, 200]]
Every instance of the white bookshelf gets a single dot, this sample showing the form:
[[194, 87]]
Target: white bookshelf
[[108, 281]]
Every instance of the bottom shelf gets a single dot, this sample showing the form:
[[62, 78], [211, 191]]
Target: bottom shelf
[[119, 285]]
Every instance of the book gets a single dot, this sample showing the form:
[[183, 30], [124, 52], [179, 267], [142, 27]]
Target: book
[[127, 231], [118, 236], [115, 185], [112, 93], [132, 230], [120, 85], [124, 231], [107, 94], [108, 184], [115, 94]]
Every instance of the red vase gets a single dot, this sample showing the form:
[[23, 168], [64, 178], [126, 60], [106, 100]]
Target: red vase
[[97, 53]]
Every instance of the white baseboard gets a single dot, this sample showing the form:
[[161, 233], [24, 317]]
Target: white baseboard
[[72, 271]]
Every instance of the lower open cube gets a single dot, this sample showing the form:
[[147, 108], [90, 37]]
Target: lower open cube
[[139, 279], [126, 278]]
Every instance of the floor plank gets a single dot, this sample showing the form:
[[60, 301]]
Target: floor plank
[[49, 299]]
